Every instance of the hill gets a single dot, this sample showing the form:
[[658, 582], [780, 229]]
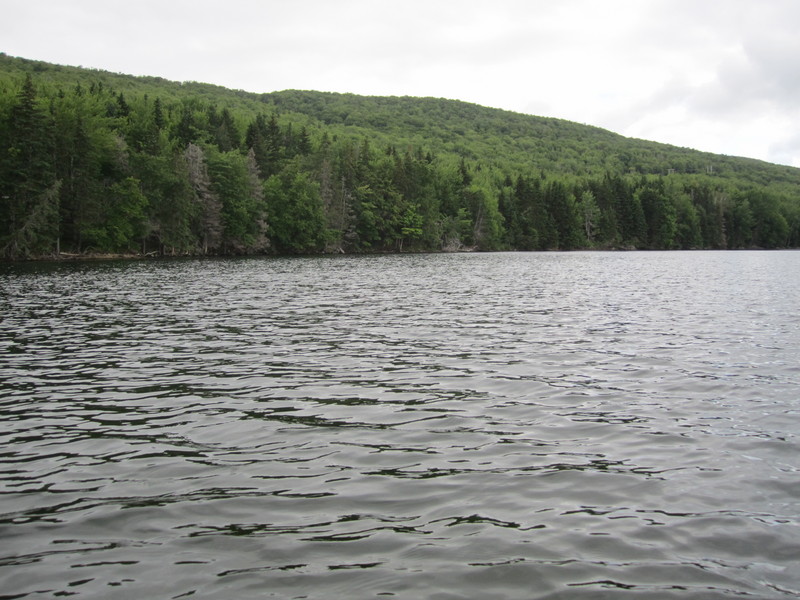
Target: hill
[[92, 161], [517, 140]]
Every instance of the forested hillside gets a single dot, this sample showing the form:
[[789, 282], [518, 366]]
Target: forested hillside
[[97, 162]]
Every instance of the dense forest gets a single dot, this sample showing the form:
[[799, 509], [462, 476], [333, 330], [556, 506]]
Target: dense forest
[[97, 162]]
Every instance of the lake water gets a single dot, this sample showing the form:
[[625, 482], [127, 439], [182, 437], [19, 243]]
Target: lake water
[[526, 426]]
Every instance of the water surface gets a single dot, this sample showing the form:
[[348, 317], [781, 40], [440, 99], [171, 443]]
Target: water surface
[[537, 426]]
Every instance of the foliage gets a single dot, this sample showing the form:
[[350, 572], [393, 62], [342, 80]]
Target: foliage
[[92, 161]]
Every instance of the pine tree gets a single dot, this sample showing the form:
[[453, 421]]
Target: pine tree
[[226, 135], [29, 188]]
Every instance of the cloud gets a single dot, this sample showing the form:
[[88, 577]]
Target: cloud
[[723, 78], [786, 151]]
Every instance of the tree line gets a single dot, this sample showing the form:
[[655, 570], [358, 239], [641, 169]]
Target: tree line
[[89, 170]]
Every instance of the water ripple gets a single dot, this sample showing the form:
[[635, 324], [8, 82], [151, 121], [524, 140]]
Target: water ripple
[[437, 426]]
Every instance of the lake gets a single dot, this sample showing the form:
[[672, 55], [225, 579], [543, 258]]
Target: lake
[[440, 426]]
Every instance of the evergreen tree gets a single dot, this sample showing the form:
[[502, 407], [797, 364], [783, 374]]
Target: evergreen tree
[[659, 212], [771, 230], [297, 221], [186, 131], [226, 134], [235, 180], [28, 185], [739, 223], [629, 214], [255, 141], [687, 233], [122, 222], [563, 216]]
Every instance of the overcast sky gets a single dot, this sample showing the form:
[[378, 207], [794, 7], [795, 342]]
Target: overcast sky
[[716, 75]]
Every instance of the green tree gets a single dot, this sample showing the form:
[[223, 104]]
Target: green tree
[[528, 214], [589, 212], [411, 223], [770, 230], [709, 202], [29, 190], [739, 223], [629, 214], [687, 234], [563, 216], [605, 190], [224, 131], [123, 222], [297, 220], [235, 181], [659, 213]]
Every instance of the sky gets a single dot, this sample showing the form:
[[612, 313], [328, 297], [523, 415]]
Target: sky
[[721, 76]]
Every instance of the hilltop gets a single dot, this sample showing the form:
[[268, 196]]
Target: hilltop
[[196, 168], [517, 140]]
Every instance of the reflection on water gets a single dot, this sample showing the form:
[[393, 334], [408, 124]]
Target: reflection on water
[[434, 426]]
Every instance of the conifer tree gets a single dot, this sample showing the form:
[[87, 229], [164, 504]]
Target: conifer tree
[[28, 186]]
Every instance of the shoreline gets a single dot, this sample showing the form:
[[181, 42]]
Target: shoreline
[[103, 256]]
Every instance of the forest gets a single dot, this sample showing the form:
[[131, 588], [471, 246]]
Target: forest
[[93, 162]]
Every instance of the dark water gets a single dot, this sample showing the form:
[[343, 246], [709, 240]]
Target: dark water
[[608, 425]]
